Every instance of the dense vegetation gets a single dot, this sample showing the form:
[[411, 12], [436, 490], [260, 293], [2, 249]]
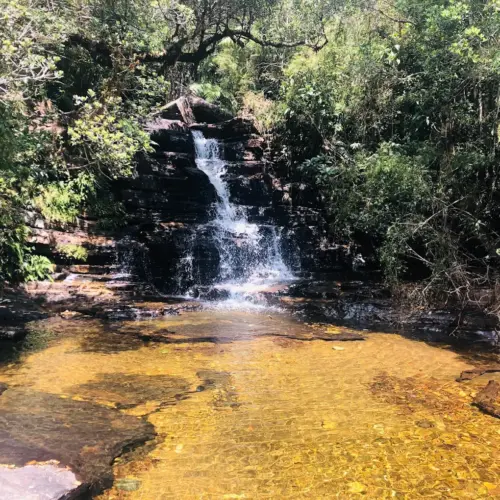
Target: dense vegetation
[[399, 120], [390, 108]]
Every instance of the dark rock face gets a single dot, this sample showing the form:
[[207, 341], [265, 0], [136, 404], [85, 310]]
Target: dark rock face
[[171, 135], [169, 202], [16, 310], [166, 238]]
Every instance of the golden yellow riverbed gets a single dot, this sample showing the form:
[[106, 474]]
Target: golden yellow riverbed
[[242, 413]]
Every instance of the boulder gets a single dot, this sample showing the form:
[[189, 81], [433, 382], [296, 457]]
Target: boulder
[[171, 135], [234, 128], [488, 399], [192, 109], [204, 112]]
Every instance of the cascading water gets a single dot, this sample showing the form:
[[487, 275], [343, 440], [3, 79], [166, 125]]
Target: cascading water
[[250, 258]]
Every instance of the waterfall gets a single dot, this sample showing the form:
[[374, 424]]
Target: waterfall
[[250, 254]]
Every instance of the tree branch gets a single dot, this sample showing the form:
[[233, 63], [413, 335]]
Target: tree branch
[[206, 47], [401, 21]]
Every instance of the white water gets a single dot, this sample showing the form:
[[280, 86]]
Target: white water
[[250, 255]]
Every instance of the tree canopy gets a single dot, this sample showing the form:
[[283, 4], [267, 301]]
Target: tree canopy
[[391, 108]]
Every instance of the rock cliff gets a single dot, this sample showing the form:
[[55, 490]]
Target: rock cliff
[[168, 202]]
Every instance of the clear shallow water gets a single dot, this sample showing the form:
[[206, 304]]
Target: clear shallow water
[[243, 409]]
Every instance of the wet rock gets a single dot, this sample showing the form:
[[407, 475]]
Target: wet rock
[[167, 138], [339, 337], [87, 269], [249, 191], [244, 150], [17, 309], [12, 333], [488, 399], [165, 124], [53, 238], [169, 338], [128, 390], [127, 309], [425, 424], [128, 484], [36, 482], [71, 314], [477, 372], [82, 436]]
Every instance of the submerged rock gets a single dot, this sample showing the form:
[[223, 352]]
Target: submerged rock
[[128, 390], [128, 484], [477, 372], [488, 399]]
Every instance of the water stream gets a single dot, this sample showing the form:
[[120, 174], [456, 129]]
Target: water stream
[[250, 255]]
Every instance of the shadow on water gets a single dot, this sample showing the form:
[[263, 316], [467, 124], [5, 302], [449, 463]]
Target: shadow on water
[[34, 338]]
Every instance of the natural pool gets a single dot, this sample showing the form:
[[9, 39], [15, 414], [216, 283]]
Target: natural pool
[[249, 405]]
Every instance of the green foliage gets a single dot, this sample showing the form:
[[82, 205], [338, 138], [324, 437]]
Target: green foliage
[[214, 94], [25, 61], [103, 137], [396, 121], [380, 192], [77, 82], [73, 252], [58, 202], [36, 267]]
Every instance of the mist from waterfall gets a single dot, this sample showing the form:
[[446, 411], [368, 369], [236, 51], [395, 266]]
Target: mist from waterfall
[[250, 254]]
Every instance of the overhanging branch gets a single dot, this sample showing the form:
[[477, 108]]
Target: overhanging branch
[[175, 52]]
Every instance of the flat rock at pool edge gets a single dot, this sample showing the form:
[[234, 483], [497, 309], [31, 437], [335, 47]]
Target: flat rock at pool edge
[[35, 482], [79, 435]]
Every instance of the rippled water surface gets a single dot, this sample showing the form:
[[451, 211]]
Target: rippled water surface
[[249, 405]]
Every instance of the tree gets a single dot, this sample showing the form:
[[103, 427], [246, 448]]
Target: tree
[[400, 112]]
